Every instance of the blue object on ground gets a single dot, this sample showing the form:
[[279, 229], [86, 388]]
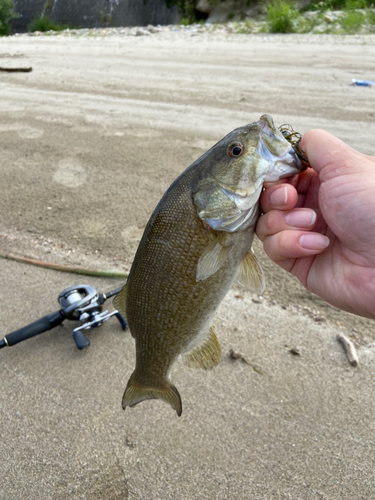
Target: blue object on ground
[[362, 83]]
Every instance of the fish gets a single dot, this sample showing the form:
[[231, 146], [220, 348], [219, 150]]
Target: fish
[[197, 242]]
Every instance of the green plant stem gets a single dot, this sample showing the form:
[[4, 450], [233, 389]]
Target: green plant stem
[[64, 269]]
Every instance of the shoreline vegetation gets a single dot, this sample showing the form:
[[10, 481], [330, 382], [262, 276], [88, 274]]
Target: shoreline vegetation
[[273, 16], [285, 16], [319, 26]]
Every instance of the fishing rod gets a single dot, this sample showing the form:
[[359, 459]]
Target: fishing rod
[[78, 303]]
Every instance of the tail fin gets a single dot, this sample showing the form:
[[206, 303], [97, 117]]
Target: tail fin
[[136, 393]]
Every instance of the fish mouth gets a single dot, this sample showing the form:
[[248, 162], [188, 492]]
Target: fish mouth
[[279, 146], [294, 158], [267, 126]]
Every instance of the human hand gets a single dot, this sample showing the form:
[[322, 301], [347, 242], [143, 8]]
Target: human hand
[[321, 226]]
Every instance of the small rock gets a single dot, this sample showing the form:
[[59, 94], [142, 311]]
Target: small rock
[[142, 32], [295, 351], [319, 319]]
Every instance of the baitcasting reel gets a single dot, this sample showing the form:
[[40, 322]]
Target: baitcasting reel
[[78, 303]]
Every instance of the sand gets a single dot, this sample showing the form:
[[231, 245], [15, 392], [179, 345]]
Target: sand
[[90, 140]]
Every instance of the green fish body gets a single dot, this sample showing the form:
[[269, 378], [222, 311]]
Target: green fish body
[[196, 243]]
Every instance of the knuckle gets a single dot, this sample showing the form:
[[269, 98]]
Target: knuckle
[[267, 223], [274, 222]]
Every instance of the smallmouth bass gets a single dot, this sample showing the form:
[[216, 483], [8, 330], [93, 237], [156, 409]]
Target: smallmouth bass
[[196, 243]]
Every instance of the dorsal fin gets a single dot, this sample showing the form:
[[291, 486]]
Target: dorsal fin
[[250, 274], [206, 355]]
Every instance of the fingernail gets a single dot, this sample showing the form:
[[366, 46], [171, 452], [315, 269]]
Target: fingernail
[[279, 197], [300, 218], [313, 241]]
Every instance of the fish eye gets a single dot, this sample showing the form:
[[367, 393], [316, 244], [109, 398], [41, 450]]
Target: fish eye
[[235, 150]]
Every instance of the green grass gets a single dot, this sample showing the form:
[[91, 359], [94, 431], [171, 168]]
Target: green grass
[[45, 24], [6, 14], [355, 4], [353, 21], [324, 5], [281, 16], [370, 18]]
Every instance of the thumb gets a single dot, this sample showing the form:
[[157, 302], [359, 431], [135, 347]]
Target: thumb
[[326, 152]]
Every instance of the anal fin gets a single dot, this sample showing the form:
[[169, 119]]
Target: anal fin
[[206, 355], [250, 274]]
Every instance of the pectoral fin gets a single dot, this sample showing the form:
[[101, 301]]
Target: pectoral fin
[[206, 355], [120, 301], [211, 260], [250, 273]]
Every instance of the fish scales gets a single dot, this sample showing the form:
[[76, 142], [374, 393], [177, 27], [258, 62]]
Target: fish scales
[[175, 301], [197, 241]]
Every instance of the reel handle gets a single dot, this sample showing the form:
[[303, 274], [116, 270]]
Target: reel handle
[[81, 340], [41, 325]]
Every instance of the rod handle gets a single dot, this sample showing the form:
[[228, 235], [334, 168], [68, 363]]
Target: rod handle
[[41, 325]]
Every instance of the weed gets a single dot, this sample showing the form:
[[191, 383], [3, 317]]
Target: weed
[[186, 8], [371, 16], [45, 24], [352, 21], [6, 14], [281, 16], [105, 18], [324, 5], [355, 4]]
